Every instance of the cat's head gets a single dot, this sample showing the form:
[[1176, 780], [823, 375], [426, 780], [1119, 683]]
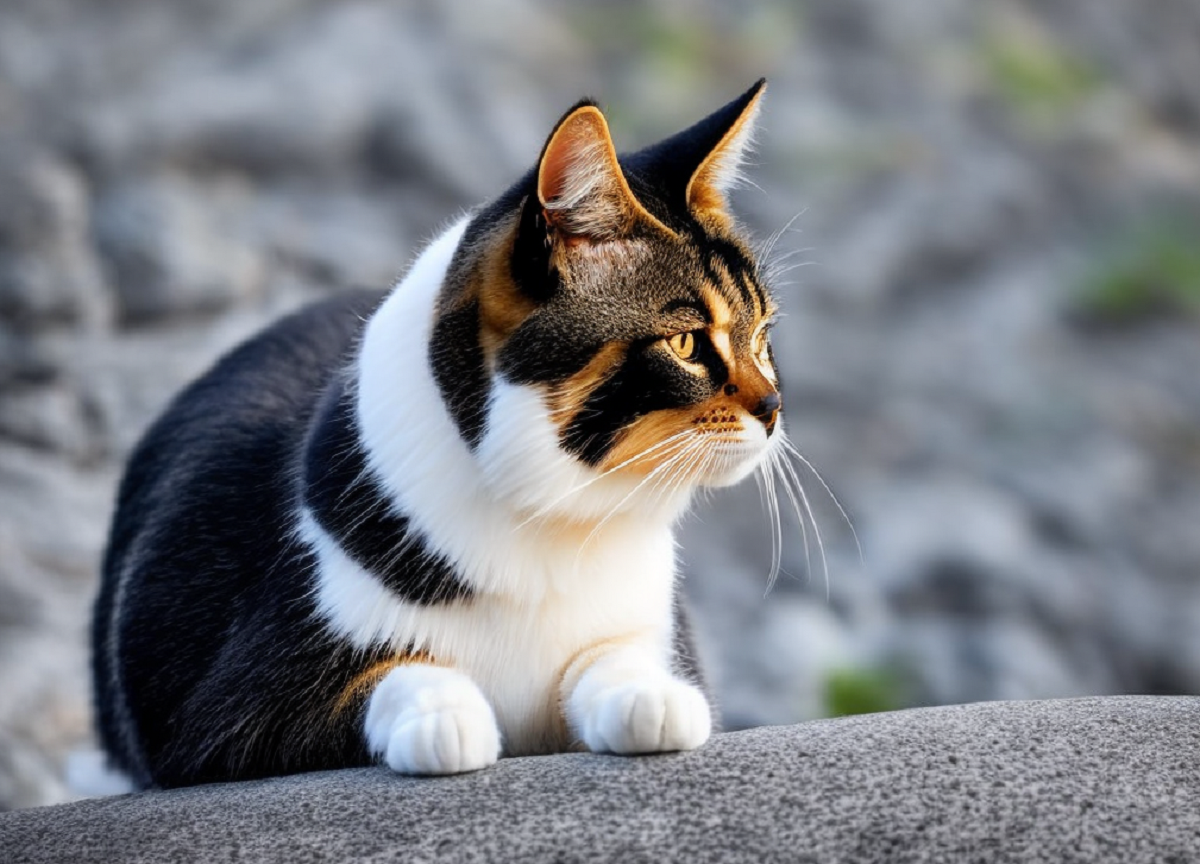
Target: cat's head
[[605, 317]]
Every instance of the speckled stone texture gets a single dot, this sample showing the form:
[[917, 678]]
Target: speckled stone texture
[[1088, 780]]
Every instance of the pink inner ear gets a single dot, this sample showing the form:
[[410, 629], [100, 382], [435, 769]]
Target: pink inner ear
[[580, 183], [575, 160], [556, 164]]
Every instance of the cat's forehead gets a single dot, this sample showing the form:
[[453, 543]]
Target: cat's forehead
[[732, 285], [694, 279]]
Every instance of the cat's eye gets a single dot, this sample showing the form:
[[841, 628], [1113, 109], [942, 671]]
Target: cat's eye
[[684, 345]]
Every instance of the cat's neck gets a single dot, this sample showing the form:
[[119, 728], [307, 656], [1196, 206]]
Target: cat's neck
[[486, 521]]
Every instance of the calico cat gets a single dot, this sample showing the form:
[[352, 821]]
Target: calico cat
[[434, 526]]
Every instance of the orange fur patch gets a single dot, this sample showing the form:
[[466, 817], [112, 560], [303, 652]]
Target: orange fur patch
[[502, 306], [367, 680], [568, 398], [643, 434]]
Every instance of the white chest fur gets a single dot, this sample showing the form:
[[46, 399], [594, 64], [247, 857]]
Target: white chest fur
[[515, 649], [544, 590]]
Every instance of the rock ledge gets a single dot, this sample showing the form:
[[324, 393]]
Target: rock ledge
[[1098, 780]]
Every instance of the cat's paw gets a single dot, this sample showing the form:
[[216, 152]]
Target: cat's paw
[[431, 720], [652, 716]]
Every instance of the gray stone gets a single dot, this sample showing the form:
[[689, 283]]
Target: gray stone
[[1102, 781], [48, 270], [171, 247]]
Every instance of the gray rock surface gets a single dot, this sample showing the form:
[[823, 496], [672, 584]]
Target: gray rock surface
[[1102, 781]]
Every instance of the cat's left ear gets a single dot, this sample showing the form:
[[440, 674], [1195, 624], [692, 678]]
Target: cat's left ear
[[580, 185], [728, 135]]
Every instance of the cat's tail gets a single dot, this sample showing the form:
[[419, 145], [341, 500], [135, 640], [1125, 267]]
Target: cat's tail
[[90, 775]]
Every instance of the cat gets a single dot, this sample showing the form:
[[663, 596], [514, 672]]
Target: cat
[[433, 526]]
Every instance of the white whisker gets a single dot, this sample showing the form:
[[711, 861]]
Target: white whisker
[[542, 511], [797, 489], [657, 472], [769, 246], [838, 504]]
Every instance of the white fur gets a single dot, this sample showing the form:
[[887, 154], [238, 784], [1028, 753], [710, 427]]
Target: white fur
[[515, 649], [626, 703], [516, 520], [431, 720]]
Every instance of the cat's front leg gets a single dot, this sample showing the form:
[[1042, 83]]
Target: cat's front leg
[[425, 719], [623, 700]]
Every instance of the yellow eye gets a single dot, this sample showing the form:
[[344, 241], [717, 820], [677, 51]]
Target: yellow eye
[[684, 345]]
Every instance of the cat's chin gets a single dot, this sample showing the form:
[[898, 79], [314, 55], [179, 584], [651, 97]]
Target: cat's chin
[[734, 465]]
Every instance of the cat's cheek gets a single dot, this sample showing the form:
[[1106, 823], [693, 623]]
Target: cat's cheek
[[431, 720], [735, 468], [753, 452]]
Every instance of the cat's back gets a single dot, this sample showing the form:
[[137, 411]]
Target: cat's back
[[207, 498], [247, 412]]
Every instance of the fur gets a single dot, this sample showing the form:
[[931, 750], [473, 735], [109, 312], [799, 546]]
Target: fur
[[434, 527]]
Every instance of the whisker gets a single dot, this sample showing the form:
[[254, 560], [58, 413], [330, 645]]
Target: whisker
[[542, 511], [681, 470], [772, 506], [777, 273], [776, 458], [790, 471], [838, 504], [769, 246], [657, 472], [802, 521]]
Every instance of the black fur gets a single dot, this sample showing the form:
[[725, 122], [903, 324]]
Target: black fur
[[456, 358], [348, 502], [659, 174], [647, 381], [226, 671]]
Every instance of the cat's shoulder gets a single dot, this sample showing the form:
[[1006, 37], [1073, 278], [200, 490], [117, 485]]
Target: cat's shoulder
[[313, 335], [263, 389], [289, 360]]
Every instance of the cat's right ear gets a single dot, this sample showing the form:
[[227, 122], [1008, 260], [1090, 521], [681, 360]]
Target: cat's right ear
[[580, 185]]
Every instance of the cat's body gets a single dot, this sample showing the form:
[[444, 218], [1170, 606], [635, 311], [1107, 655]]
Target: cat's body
[[435, 525]]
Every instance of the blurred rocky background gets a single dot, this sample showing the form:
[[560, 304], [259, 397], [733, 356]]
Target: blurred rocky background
[[992, 353]]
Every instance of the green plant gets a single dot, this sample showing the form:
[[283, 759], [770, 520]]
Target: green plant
[[854, 690], [1041, 82], [1155, 270]]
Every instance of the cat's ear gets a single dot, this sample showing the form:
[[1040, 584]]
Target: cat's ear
[[580, 185], [728, 134]]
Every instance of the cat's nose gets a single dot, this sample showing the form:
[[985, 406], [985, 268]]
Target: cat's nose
[[767, 409]]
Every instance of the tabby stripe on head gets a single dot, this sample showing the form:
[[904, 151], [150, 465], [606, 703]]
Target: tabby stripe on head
[[739, 267], [348, 502]]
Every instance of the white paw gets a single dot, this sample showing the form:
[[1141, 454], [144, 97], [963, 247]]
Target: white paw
[[431, 720], [653, 716]]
